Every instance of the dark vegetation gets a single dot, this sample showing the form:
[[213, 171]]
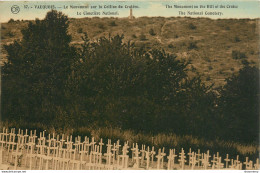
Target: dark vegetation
[[109, 83]]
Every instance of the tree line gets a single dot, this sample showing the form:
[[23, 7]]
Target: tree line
[[109, 82]]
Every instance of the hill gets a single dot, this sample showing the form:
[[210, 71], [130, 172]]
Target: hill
[[216, 49]]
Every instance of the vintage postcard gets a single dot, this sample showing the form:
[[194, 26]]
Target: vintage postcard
[[129, 85]]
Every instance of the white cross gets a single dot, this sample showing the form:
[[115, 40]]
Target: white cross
[[227, 160], [171, 159], [256, 165], [182, 159]]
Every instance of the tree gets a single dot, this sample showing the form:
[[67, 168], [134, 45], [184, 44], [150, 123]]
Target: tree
[[35, 76], [121, 85], [239, 105]]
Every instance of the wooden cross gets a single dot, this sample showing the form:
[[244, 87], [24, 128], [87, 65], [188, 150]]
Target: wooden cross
[[182, 159], [108, 154], [152, 153], [246, 163], [159, 157], [198, 157], [114, 149], [237, 163], [86, 145], [189, 154], [136, 157], [11, 142], [117, 148], [2, 138], [171, 159], [147, 156], [250, 166], [193, 160], [256, 165], [92, 143], [232, 166], [219, 164], [142, 154], [214, 161], [101, 144], [133, 149], [227, 160], [125, 156]]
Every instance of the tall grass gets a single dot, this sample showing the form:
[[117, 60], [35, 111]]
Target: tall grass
[[160, 140]]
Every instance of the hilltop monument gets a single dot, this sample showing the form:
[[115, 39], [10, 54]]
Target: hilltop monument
[[131, 14]]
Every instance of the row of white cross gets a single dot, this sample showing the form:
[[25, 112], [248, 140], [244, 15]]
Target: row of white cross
[[27, 151]]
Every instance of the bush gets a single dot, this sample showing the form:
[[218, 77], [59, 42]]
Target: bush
[[237, 39], [101, 26], [191, 26], [3, 27], [35, 76], [170, 45], [142, 37], [10, 34], [238, 55], [134, 36], [239, 105], [151, 32], [11, 21], [192, 45], [112, 23], [79, 30], [245, 62]]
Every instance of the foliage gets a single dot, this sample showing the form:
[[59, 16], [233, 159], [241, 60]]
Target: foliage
[[11, 20], [239, 105], [192, 26], [110, 82], [35, 75], [112, 23], [238, 55], [142, 37], [151, 32], [80, 30], [192, 45]]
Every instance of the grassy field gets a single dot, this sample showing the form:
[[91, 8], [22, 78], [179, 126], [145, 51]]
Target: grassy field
[[160, 140], [216, 49]]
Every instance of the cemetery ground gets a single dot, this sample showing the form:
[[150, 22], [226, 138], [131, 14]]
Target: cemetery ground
[[241, 156]]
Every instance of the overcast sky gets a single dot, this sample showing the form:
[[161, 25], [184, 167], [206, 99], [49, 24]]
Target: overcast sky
[[245, 9]]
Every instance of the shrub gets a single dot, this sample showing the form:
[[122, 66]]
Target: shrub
[[80, 30], [191, 26], [192, 45], [170, 45], [142, 37], [112, 23], [151, 32], [238, 55], [134, 36], [101, 26], [245, 62], [237, 39], [239, 105], [11, 20], [3, 27], [10, 34]]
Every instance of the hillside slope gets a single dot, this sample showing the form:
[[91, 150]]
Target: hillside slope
[[216, 49]]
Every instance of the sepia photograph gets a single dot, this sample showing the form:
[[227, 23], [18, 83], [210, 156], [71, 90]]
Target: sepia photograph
[[129, 85]]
